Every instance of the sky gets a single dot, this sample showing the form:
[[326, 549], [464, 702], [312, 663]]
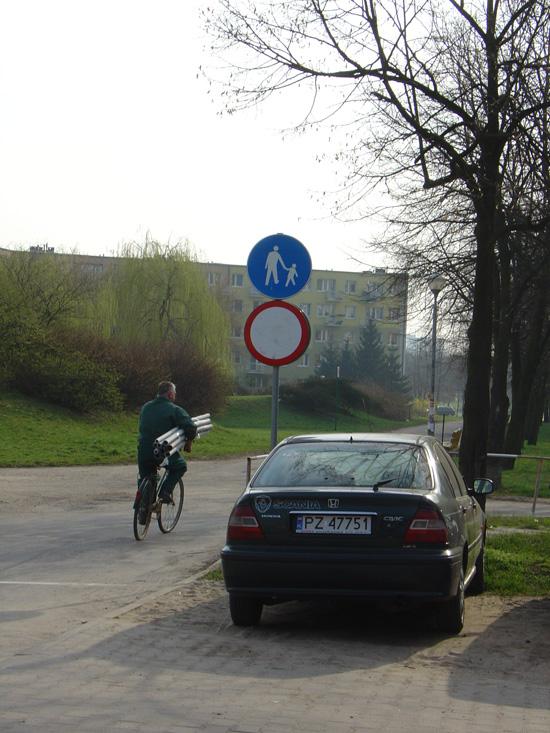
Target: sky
[[109, 135]]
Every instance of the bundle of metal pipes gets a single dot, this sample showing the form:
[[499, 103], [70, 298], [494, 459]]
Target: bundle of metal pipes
[[168, 443]]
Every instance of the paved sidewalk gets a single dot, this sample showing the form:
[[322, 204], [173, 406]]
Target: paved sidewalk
[[176, 664]]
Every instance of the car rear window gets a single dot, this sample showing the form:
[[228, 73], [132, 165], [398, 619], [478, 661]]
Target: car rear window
[[346, 464]]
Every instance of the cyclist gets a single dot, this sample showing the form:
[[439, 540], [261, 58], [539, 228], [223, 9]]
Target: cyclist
[[157, 417]]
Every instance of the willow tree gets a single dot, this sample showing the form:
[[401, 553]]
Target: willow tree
[[437, 88], [157, 293]]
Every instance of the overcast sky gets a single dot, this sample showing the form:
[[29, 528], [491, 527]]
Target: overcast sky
[[108, 133]]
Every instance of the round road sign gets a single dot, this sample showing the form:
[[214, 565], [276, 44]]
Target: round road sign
[[279, 266], [277, 333]]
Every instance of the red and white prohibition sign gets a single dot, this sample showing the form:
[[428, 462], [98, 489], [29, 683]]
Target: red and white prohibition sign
[[277, 333]]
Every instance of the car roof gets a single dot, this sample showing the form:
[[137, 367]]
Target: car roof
[[404, 438]]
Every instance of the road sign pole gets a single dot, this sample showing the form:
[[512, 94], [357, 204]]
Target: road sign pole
[[274, 405]]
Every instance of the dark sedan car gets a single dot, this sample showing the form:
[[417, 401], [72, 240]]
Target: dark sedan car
[[375, 516]]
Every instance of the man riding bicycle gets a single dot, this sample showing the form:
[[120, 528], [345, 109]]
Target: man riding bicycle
[[157, 417]]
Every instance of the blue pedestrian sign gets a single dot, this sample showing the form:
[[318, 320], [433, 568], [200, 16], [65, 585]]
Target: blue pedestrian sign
[[279, 266]]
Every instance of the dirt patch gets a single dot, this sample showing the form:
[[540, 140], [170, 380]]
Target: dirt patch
[[508, 635]]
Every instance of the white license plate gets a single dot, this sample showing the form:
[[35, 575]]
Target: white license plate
[[333, 524]]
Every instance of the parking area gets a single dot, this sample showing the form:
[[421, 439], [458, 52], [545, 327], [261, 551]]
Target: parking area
[[170, 660], [175, 663]]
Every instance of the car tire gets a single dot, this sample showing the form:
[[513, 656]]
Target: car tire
[[245, 611], [450, 614], [477, 584]]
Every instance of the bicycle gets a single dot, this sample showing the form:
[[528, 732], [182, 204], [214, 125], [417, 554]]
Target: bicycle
[[147, 503]]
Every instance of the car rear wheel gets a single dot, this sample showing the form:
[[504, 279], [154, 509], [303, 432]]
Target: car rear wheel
[[245, 611], [450, 615], [477, 585]]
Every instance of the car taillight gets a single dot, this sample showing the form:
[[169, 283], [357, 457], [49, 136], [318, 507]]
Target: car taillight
[[427, 526], [243, 525]]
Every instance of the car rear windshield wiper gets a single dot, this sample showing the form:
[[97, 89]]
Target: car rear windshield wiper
[[377, 485]]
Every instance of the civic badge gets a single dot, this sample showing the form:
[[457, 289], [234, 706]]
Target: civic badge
[[263, 503], [333, 503]]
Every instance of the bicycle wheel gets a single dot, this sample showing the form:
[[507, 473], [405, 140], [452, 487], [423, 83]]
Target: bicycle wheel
[[142, 515], [169, 514]]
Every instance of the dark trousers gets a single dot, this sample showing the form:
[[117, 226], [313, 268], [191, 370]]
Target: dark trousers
[[176, 468]]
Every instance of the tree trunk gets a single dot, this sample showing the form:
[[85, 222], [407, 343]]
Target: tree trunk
[[500, 403], [537, 403], [527, 366], [473, 445]]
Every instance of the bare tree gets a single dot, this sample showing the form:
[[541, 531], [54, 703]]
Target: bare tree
[[439, 89]]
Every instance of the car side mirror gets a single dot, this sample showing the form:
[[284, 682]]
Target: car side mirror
[[483, 486]]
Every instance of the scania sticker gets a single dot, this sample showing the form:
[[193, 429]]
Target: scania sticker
[[263, 503], [300, 504]]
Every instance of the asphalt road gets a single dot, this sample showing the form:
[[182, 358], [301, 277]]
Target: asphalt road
[[67, 551]]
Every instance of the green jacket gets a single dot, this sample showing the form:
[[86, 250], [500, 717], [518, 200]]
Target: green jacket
[[157, 417]]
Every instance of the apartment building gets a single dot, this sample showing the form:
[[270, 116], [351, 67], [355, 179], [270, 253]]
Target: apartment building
[[338, 304]]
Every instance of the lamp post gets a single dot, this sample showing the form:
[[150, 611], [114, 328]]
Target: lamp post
[[436, 285]]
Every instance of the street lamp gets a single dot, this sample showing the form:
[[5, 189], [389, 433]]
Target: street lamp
[[436, 285]]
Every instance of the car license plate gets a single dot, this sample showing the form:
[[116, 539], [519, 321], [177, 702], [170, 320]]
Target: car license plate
[[333, 524]]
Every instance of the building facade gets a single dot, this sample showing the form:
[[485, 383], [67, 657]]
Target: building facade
[[338, 305]]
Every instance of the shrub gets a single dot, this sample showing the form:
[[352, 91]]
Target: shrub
[[383, 403], [202, 385], [68, 378], [319, 395], [329, 396]]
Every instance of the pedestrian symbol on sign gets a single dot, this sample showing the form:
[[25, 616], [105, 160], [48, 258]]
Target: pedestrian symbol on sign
[[279, 266]]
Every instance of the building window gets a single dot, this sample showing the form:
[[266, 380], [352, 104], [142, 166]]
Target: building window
[[325, 284], [325, 309], [394, 314], [350, 286], [376, 314], [254, 365], [213, 278], [236, 280], [375, 290], [305, 308], [393, 339], [236, 331], [321, 334], [307, 286], [349, 311], [237, 306], [92, 268], [304, 361], [236, 355]]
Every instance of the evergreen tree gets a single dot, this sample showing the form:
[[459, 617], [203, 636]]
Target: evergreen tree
[[330, 360], [370, 358], [394, 379], [347, 362]]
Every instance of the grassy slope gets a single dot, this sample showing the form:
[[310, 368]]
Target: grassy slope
[[521, 481], [37, 434], [518, 562]]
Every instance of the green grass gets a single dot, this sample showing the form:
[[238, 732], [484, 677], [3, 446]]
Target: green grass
[[34, 433], [521, 481], [518, 562]]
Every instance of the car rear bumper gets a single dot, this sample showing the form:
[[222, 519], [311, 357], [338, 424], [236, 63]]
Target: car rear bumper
[[290, 575]]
